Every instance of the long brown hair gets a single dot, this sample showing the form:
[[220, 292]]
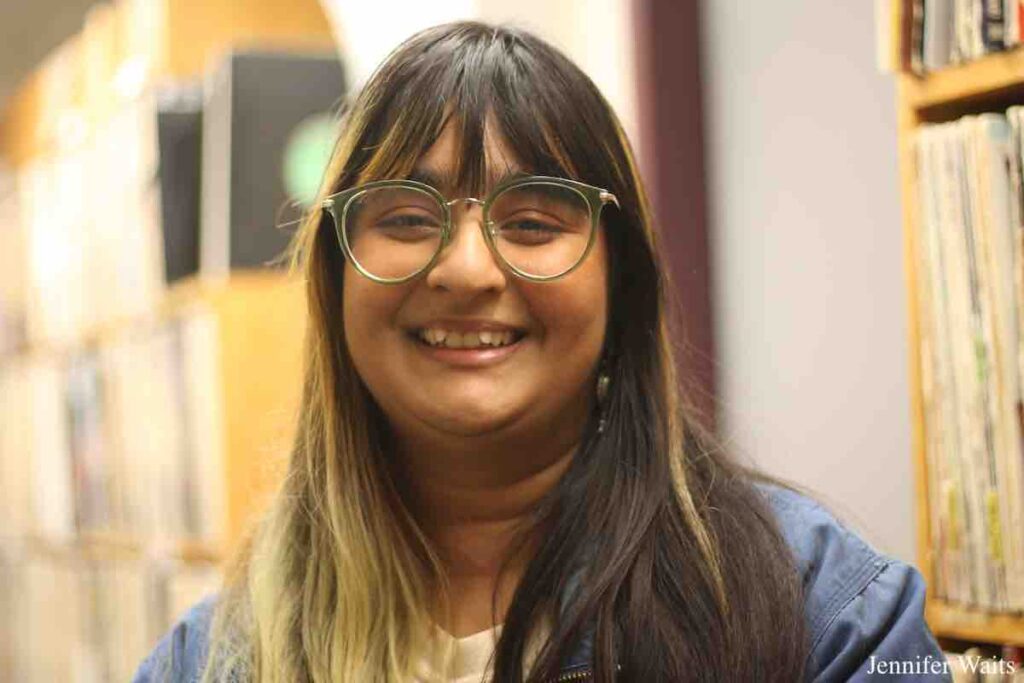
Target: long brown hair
[[657, 546]]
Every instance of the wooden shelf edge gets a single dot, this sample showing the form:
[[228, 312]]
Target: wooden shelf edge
[[954, 621], [176, 298], [981, 78], [118, 546], [189, 550]]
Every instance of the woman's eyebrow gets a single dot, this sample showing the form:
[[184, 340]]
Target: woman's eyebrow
[[443, 180], [438, 180]]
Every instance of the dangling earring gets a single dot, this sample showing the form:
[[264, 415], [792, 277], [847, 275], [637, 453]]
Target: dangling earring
[[603, 382]]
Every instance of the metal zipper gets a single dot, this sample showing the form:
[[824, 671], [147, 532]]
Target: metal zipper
[[580, 674]]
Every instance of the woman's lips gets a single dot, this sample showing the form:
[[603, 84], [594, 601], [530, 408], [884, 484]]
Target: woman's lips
[[475, 357]]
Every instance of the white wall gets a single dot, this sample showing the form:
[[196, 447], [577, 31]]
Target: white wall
[[807, 254]]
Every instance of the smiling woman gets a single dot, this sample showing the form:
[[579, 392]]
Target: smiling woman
[[497, 474]]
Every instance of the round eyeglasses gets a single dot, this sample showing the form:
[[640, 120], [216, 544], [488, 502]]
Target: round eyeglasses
[[540, 228]]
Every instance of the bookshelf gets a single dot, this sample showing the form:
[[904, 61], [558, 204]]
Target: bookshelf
[[989, 84], [259, 314], [143, 423]]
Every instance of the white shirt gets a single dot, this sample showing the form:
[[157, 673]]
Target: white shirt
[[468, 659]]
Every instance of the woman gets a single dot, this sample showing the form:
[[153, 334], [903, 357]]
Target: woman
[[494, 456]]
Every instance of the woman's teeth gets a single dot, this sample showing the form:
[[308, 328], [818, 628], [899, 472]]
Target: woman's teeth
[[467, 340]]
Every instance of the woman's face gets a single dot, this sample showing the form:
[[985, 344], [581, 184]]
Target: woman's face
[[528, 385]]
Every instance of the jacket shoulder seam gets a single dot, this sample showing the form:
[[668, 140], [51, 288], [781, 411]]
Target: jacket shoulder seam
[[862, 579]]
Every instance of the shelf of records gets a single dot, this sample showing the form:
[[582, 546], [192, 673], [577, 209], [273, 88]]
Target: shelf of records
[[970, 272], [75, 614], [80, 237], [120, 440], [935, 34]]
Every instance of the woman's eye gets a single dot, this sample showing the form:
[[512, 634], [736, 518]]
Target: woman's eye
[[407, 220], [408, 227], [529, 231]]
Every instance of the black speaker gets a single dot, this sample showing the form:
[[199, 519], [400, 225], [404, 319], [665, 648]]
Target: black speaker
[[269, 123]]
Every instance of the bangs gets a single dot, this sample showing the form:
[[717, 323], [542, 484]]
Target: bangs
[[482, 86]]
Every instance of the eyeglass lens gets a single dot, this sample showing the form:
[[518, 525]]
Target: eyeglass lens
[[540, 229]]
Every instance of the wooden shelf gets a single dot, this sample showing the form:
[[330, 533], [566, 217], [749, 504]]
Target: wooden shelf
[[953, 621], [175, 300], [991, 82], [110, 545], [188, 550]]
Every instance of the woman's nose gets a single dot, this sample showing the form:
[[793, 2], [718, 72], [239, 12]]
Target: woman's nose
[[466, 262]]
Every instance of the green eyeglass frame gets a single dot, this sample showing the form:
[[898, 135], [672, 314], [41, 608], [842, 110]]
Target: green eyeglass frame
[[337, 205]]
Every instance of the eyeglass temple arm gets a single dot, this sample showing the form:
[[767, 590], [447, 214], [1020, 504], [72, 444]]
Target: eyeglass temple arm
[[609, 197]]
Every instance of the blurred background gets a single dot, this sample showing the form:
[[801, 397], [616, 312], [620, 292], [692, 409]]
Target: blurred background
[[155, 153]]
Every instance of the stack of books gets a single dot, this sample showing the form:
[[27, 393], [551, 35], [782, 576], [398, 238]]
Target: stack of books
[[933, 34], [89, 614], [122, 437], [970, 251], [111, 467]]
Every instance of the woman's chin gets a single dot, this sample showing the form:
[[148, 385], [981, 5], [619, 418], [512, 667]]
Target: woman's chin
[[468, 419]]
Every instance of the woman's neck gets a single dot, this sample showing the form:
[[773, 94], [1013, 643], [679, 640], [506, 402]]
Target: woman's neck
[[470, 515], [475, 504]]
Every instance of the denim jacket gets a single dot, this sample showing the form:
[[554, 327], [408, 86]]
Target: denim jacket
[[864, 611]]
